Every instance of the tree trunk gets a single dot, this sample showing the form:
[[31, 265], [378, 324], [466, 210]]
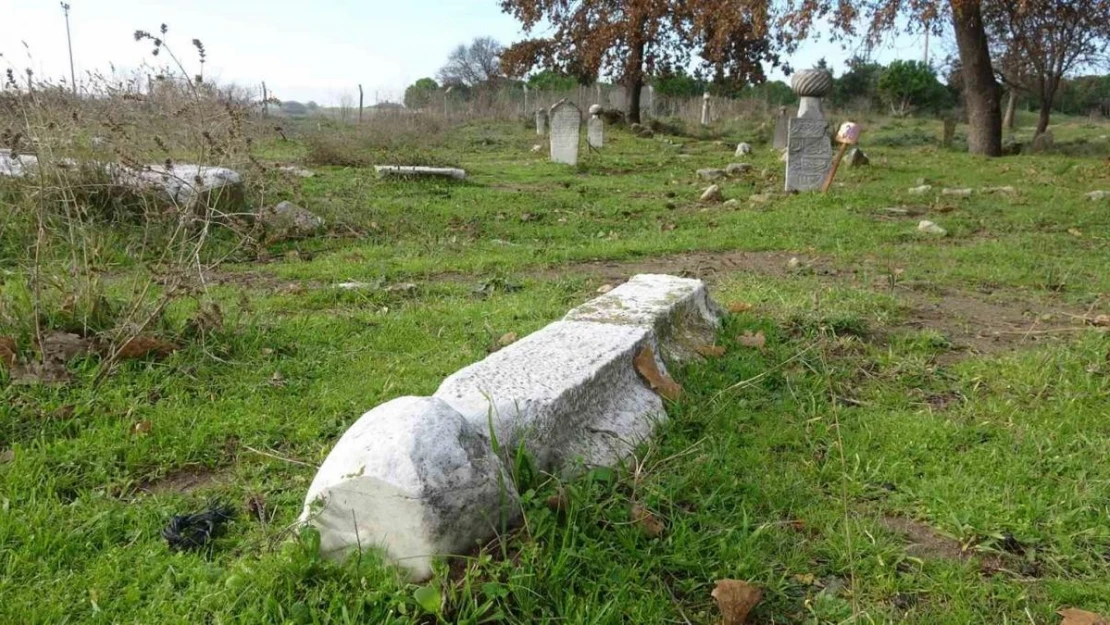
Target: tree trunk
[[1011, 109], [981, 92], [634, 91], [634, 82], [1048, 96]]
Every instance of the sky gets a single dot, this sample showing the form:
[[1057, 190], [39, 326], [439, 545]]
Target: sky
[[303, 50]]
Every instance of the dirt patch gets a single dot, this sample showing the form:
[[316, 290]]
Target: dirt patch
[[707, 266], [927, 543], [980, 325], [184, 480]]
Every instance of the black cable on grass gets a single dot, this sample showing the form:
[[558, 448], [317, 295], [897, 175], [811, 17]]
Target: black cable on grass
[[189, 532]]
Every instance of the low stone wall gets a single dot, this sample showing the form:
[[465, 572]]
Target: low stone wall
[[417, 477]]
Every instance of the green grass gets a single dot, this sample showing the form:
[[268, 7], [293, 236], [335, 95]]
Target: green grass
[[859, 420]]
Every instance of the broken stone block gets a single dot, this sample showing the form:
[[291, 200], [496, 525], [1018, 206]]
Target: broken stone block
[[409, 171]]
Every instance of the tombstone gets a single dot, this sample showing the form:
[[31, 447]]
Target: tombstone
[[780, 129], [808, 150], [949, 132], [705, 109], [541, 122], [595, 128], [566, 121]]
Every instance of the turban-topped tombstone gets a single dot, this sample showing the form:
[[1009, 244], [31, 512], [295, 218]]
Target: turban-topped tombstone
[[808, 151]]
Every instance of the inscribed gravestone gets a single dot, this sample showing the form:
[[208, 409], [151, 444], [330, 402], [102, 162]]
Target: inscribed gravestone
[[595, 132], [541, 122], [808, 154], [566, 122], [780, 129]]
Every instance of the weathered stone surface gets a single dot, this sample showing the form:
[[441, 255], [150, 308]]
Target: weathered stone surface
[[743, 149], [541, 122], [808, 155], [856, 158], [18, 165], [566, 123], [711, 174], [410, 171], [595, 131], [414, 478], [294, 170], [678, 310], [712, 193], [1096, 196], [733, 203], [595, 109], [929, 227], [184, 183], [920, 190], [1044, 141], [734, 169], [956, 192], [287, 220], [568, 393], [781, 121]]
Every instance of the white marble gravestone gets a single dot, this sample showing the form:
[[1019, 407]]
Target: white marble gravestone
[[541, 122], [595, 132], [566, 123]]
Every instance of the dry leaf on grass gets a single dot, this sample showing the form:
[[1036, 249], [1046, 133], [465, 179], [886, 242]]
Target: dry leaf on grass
[[735, 599], [1075, 232], [143, 346], [559, 502], [1075, 616], [7, 351], [648, 523], [659, 382], [1101, 321], [277, 380], [605, 288], [739, 307], [506, 339], [7, 455], [63, 347], [142, 427], [710, 351], [747, 339]]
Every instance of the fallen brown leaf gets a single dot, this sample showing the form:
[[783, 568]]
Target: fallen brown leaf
[[747, 339], [1101, 321], [648, 523], [735, 599], [506, 339], [142, 427], [142, 346], [668, 227], [277, 380], [710, 351], [739, 307], [806, 579], [7, 455], [63, 347], [605, 288], [559, 502], [7, 351], [1075, 232], [1075, 616], [661, 383]]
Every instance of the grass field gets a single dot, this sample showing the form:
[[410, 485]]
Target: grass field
[[922, 439]]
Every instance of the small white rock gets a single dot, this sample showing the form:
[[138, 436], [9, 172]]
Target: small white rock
[[712, 193], [733, 203], [929, 227], [605, 288], [956, 192], [743, 148], [1096, 196], [925, 188]]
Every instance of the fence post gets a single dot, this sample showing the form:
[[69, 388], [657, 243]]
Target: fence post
[[360, 103], [265, 100]]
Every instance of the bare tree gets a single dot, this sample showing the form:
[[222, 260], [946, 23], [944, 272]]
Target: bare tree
[[1039, 42], [478, 64]]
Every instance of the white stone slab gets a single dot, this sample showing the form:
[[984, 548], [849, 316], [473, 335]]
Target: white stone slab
[[17, 166], [595, 132], [566, 124], [411, 477], [569, 393], [182, 182], [678, 310], [405, 170]]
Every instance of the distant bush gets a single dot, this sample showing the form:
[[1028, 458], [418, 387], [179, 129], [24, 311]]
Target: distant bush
[[387, 139]]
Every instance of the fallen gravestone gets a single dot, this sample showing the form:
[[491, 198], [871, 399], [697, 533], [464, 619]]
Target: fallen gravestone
[[416, 171], [417, 477], [289, 221], [566, 121]]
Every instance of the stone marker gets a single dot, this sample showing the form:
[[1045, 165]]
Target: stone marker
[[809, 152], [595, 130], [949, 132], [711, 173], [541, 122], [735, 169], [414, 478], [566, 121], [921, 190], [956, 192], [743, 149], [1043, 142], [781, 122], [856, 158], [712, 193], [416, 171], [287, 220], [929, 227]]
